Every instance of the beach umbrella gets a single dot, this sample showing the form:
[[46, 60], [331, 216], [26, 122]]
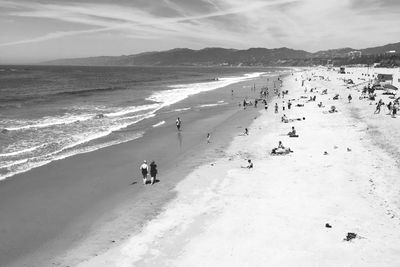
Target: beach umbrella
[[389, 86]]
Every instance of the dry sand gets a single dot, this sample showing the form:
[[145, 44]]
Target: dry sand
[[275, 214]]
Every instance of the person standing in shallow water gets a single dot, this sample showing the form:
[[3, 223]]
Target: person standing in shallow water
[[144, 168], [178, 123], [153, 172]]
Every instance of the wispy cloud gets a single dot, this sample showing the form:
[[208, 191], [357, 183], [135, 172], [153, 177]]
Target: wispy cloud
[[307, 24], [131, 20], [54, 35]]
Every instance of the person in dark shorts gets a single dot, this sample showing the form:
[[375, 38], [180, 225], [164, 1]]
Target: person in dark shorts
[[144, 168], [153, 172], [178, 123]]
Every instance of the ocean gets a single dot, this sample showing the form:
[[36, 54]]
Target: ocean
[[52, 112]]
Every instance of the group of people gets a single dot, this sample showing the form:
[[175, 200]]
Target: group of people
[[151, 169], [146, 170]]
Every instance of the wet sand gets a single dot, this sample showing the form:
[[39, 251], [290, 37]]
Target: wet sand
[[72, 209]]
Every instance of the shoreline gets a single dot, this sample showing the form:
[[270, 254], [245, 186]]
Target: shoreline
[[278, 212], [109, 192]]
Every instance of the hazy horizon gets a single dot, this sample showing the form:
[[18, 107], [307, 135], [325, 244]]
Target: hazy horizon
[[36, 31]]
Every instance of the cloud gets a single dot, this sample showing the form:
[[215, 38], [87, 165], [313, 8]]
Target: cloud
[[131, 19], [304, 24], [53, 35]]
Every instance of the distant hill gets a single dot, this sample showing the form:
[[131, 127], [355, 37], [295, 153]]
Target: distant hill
[[229, 57]]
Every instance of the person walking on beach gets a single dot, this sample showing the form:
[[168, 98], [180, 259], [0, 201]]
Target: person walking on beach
[[349, 98], [153, 172], [178, 123], [389, 106], [289, 104], [394, 109], [378, 107], [208, 138], [144, 168], [246, 131], [276, 107]]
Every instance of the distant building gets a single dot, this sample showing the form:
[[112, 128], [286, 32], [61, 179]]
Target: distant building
[[354, 54], [391, 52]]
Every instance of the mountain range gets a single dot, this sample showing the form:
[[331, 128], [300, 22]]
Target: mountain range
[[234, 57]]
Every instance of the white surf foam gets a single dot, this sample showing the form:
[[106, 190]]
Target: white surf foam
[[182, 91], [28, 164], [158, 124], [129, 110], [20, 151], [212, 105]]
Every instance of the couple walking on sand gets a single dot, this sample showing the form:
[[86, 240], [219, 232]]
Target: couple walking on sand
[[144, 168]]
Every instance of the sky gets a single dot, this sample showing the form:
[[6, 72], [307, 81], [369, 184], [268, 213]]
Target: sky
[[33, 31]]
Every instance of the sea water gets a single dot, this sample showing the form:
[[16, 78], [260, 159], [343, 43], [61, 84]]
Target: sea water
[[49, 113]]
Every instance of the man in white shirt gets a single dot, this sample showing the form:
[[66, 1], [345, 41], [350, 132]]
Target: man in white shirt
[[144, 168]]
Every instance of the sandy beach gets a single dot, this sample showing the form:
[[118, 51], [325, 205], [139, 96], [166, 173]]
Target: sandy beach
[[334, 201]]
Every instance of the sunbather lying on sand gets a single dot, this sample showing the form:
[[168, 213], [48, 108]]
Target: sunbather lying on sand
[[336, 97], [292, 133], [297, 119], [333, 109]]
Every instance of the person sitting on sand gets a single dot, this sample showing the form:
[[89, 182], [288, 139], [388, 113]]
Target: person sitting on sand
[[280, 145], [249, 165], [320, 105], [144, 168], [293, 132], [281, 150], [284, 119]]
